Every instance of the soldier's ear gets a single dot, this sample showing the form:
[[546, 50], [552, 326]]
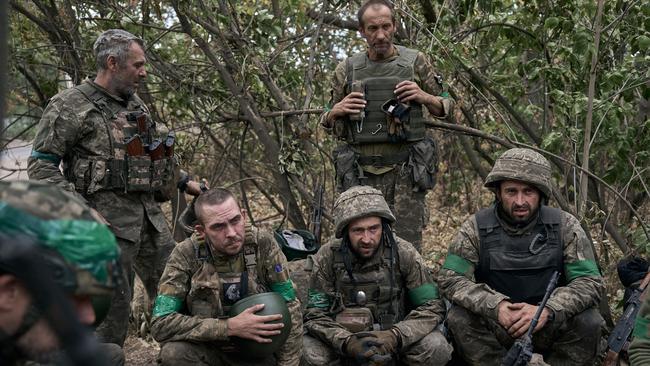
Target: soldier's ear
[[199, 229], [111, 62]]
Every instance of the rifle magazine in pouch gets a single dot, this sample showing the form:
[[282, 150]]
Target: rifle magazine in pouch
[[347, 168], [423, 163], [138, 173], [356, 319]]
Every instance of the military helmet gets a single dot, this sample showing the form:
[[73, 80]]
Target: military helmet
[[274, 303], [82, 252], [521, 164], [358, 202]]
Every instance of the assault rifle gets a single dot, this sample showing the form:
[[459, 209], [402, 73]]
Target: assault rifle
[[318, 212], [522, 351], [619, 339]]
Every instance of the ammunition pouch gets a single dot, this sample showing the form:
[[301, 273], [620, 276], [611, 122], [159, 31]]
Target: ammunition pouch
[[355, 319], [138, 173], [423, 165], [347, 167]]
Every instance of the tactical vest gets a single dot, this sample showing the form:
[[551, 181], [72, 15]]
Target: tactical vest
[[380, 79], [215, 287], [520, 266], [386, 302], [122, 171]]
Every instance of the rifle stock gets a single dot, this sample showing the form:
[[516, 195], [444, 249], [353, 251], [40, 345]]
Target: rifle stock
[[619, 339]]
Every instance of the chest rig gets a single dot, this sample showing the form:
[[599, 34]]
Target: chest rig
[[138, 162], [381, 282], [520, 266], [379, 80], [221, 282]]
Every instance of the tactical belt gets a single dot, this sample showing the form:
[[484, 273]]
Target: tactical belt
[[379, 160]]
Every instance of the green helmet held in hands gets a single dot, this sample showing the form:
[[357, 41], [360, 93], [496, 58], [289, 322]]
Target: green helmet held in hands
[[358, 202], [524, 165], [274, 303], [83, 250]]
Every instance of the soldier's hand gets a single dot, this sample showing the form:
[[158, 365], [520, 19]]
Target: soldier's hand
[[526, 313], [507, 314], [256, 327], [407, 91], [389, 340], [362, 346], [351, 104]]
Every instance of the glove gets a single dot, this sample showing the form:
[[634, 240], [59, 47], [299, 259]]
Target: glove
[[362, 346], [389, 341]]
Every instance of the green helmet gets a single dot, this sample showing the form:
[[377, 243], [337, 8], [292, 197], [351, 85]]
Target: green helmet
[[358, 202], [524, 165], [83, 251], [274, 303]]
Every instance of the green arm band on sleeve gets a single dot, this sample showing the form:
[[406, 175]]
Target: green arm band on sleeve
[[422, 294], [583, 268], [318, 300], [444, 94], [641, 329], [457, 264], [49, 157], [166, 304], [285, 289]]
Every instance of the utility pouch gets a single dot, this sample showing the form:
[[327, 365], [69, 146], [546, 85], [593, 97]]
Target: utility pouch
[[138, 173], [423, 164], [347, 167], [356, 319]]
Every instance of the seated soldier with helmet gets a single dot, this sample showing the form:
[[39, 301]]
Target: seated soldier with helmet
[[58, 264], [198, 316], [371, 297], [499, 264]]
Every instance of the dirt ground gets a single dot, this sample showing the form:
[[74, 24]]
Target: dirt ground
[[448, 207]]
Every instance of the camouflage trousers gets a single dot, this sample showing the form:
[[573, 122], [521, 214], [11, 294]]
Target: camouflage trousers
[[147, 258], [204, 354], [409, 207], [482, 341], [433, 349]]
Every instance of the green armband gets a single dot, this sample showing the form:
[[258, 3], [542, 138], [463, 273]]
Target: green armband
[[49, 157], [284, 288], [318, 300], [641, 329], [422, 294], [166, 304], [583, 268], [457, 264]]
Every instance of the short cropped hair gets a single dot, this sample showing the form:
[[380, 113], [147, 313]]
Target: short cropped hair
[[374, 3], [114, 42], [212, 197]]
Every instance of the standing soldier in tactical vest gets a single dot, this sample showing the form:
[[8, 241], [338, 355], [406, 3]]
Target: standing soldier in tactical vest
[[379, 103], [51, 248], [499, 264], [103, 135], [371, 297], [224, 261]]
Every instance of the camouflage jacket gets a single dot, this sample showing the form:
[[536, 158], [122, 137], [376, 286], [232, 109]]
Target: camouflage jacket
[[184, 282], [584, 282], [425, 77], [639, 351], [72, 125], [426, 311]]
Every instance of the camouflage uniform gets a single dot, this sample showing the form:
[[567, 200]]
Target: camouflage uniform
[[572, 334], [393, 178], [82, 127], [419, 309], [639, 351], [65, 227], [191, 311]]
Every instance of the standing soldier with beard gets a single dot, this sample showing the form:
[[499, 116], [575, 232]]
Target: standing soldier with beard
[[103, 136], [500, 262]]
